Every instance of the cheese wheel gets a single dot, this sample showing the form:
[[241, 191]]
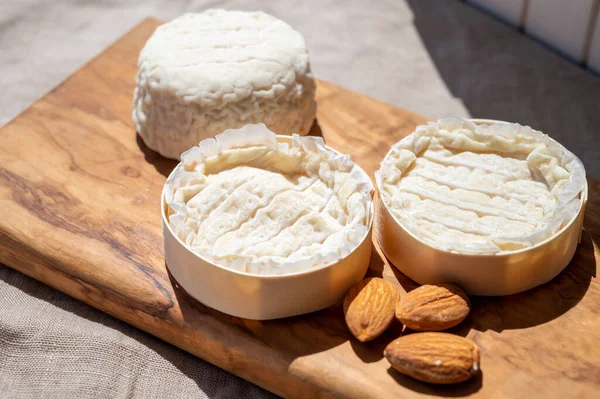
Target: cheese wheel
[[481, 188], [249, 203], [201, 74]]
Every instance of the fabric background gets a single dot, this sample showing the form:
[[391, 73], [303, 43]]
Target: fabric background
[[52, 346], [415, 55]]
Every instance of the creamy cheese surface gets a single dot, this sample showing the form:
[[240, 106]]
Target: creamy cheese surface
[[480, 188], [202, 74], [246, 202]]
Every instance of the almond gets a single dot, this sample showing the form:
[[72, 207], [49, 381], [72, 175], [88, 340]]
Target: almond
[[369, 307], [438, 358], [433, 307]]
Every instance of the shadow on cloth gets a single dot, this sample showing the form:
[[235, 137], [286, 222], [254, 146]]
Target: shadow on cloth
[[500, 73]]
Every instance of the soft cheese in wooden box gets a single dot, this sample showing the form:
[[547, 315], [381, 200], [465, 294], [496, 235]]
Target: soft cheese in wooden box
[[504, 273], [263, 297]]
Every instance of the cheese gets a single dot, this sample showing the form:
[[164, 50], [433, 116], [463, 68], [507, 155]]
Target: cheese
[[480, 188], [249, 203], [201, 74]]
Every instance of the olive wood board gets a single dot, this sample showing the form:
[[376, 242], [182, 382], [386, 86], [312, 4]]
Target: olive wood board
[[80, 212]]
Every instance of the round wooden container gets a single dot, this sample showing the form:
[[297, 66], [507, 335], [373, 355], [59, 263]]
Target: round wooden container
[[502, 274], [263, 297]]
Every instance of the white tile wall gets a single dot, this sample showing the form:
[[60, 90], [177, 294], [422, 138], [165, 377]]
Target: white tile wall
[[562, 24], [509, 10], [594, 55]]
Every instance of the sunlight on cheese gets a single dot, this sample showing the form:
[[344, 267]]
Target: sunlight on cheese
[[267, 207], [483, 189], [201, 74]]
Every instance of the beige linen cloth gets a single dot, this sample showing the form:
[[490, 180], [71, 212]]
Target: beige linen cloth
[[52, 346]]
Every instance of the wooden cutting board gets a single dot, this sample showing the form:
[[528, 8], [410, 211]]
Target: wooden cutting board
[[80, 212]]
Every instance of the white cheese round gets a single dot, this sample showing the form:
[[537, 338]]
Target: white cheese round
[[249, 203], [201, 74], [480, 188]]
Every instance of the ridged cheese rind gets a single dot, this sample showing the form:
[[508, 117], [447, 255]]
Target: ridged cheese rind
[[202, 74], [249, 203], [489, 188]]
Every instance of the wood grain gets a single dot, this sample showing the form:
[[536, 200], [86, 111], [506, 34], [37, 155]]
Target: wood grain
[[80, 212]]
